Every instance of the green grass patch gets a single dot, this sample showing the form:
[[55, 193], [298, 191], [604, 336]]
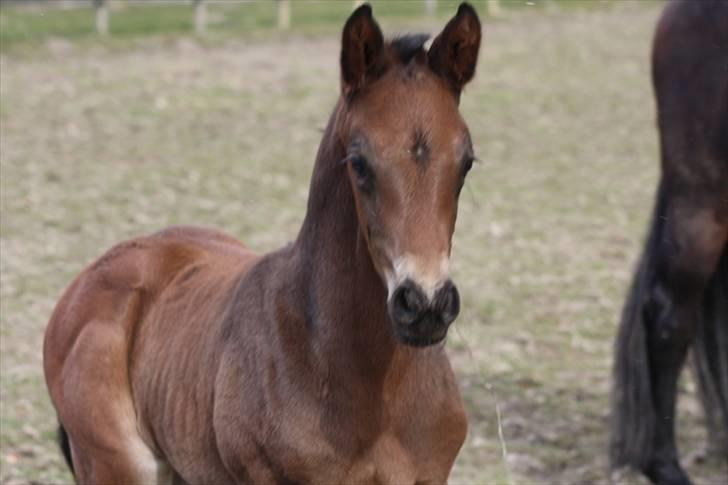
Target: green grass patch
[[34, 24]]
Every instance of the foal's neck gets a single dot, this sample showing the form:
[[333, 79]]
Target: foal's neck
[[346, 298]]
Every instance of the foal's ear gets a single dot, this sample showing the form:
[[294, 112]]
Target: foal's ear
[[454, 53], [362, 50]]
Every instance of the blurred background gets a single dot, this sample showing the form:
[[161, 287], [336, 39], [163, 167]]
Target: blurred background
[[118, 118]]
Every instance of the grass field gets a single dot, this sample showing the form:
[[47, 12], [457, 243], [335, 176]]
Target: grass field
[[133, 20], [34, 24], [104, 141]]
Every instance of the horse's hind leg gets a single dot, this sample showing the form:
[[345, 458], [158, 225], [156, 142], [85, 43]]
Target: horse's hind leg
[[710, 355], [690, 248]]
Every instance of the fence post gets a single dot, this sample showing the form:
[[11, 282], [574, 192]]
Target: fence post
[[284, 14], [494, 8], [551, 6], [430, 7], [102, 16], [200, 17]]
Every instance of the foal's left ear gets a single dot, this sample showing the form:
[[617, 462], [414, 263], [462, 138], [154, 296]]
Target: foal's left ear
[[454, 53], [362, 50]]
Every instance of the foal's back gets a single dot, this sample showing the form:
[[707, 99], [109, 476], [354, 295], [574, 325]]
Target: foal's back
[[109, 312]]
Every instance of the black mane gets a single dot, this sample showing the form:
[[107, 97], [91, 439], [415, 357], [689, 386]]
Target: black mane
[[407, 47]]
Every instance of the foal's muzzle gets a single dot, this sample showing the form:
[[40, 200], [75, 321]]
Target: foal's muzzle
[[419, 321]]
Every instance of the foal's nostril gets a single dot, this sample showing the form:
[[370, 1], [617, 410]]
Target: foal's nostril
[[408, 303], [409, 299], [447, 302]]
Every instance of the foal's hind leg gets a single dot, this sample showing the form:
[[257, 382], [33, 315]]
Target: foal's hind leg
[[98, 414], [690, 248]]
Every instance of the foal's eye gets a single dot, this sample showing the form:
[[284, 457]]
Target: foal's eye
[[359, 164], [360, 167]]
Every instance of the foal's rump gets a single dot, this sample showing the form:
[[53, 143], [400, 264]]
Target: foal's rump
[[118, 319], [124, 282]]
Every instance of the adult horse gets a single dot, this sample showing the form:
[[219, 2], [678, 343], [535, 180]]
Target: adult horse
[[679, 295], [184, 357]]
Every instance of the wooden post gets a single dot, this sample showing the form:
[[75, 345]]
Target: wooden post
[[551, 6], [284, 14], [118, 5], [200, 17], [494, 8], [430, 7], [102, 16]]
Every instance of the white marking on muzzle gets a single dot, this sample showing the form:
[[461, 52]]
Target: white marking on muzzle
[[428, 275]]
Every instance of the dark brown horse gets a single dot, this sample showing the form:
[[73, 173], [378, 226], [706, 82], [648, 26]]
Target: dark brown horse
[[185, 357], [679, 296]]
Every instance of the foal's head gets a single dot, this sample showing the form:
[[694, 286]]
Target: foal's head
[[408, 152]]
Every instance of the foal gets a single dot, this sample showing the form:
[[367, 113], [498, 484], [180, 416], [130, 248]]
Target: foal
[[183, 357], [679, 296]]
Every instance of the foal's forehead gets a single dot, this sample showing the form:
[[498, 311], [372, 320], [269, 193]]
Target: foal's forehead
[[410, 102], [413, 90]]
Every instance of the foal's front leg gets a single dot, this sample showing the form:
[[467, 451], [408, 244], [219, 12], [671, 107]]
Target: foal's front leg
[[691, 245]]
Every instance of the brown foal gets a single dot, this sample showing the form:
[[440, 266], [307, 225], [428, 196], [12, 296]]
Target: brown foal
[[182, 357]]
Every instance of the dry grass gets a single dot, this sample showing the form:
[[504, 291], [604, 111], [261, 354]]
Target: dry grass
[[102, 144]]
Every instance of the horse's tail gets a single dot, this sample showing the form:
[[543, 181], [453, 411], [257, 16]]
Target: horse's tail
[[633, 419], [710, 356], [65, 447]]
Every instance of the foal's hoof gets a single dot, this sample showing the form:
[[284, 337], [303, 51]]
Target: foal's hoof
[[667, 473]]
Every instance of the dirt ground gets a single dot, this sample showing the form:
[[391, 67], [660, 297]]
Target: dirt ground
[[100, 144]]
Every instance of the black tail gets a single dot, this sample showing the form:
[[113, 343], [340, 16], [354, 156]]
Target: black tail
[[65, 447], [710, 356], [633, 417]]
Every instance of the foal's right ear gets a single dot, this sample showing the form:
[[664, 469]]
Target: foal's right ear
[[362, 50], [454, 53]]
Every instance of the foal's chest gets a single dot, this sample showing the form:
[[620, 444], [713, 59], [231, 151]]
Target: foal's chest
[[407, 458], [408, 433], [386, 462], [410, 441]]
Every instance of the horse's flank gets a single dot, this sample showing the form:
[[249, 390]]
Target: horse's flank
[[677, 299]]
